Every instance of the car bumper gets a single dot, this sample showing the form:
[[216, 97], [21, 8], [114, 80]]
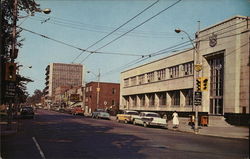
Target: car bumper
[[158, 124]]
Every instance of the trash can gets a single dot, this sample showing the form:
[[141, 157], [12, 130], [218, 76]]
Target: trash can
[[204, 121]]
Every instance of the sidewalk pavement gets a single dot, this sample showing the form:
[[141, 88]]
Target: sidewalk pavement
[[227, 132], [5, 129]]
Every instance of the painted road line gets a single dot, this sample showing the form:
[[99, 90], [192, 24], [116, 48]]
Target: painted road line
[[39, 148]]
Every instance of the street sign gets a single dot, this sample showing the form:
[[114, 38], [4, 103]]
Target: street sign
[[10, 90], [197, 98]]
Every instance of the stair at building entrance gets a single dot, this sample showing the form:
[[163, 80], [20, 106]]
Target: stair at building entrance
[[218, 121]]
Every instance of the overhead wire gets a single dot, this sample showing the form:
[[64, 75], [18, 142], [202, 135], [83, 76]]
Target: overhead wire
[[117, 29], [78, 48], [136, 27], [178, 46]]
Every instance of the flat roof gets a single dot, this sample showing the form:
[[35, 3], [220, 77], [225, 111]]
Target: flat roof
[[180, 52]]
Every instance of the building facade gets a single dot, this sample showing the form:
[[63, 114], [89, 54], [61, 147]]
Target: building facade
[[60, 74], [107, 98], [222, 51]]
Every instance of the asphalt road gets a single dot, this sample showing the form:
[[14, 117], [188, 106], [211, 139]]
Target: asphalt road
[[53, 135]]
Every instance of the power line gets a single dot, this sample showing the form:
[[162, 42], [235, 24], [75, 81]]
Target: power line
[[117, 29], [178, 46], [78, 48], [136, 26]]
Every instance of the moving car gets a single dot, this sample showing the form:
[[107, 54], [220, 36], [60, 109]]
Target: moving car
[[127, 116], [27, 112], [100, 113], [150, 119]]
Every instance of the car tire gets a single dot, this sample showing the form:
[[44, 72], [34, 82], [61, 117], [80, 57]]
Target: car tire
[[145, 124], [125, 121], [134, 122]]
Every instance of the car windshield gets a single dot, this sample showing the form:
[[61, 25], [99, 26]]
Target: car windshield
[[100, 110], [132, 113], [153, 115]]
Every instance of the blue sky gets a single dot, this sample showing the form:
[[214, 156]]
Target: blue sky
[[83, 22]]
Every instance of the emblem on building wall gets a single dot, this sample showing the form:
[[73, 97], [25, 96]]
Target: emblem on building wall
[[213, 40]]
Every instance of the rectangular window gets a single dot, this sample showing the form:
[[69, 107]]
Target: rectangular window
[[142, 100], [188, 68], [162, 98], [174, 71], [126, 101], [133, 81], [151, 98], [113, 90], [188, 93], [133, 100], [126, 82], [141, 79], [113, 102], [150, 77], [161, 74], [175, 98]]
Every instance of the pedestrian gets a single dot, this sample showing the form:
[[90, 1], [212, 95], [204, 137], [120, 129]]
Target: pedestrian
[[175, 120]]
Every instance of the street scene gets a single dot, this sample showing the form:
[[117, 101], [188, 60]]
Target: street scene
[[59, 135], [124, 79]]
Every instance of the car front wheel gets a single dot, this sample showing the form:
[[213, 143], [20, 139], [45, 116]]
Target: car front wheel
[[145, 124], [134, 122]]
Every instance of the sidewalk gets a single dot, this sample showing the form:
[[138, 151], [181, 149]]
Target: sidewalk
[[227, 132], [5, 130]]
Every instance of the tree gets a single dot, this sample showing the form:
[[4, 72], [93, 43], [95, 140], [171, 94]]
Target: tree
[[28, 6], [35, 98], [6, 29]]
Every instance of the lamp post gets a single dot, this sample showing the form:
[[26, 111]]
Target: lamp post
[[195, 76], [98, 87]]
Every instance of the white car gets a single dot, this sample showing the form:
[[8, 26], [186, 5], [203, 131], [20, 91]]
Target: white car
[[100, 113], [150, 119]]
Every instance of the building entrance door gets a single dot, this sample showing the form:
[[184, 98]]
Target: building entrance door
[[216, 63]]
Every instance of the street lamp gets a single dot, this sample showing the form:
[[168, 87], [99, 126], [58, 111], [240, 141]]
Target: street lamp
[[98, 87], [195, 76]]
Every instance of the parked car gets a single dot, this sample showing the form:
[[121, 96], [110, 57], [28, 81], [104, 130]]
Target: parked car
[[27, 112], [77, 110], [127, 116], [150, 119], [100, 113]]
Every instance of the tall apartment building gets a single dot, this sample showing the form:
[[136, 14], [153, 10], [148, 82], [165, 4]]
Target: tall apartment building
[[167, 84], [60, 74]]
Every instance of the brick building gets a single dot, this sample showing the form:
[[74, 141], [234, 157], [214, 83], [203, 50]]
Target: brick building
[[109, 95]]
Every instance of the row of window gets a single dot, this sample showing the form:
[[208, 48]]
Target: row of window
[[173, 72], [89, 89], [159, 98]]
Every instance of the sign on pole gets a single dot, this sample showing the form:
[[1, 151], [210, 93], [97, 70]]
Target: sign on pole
[[197, 98]]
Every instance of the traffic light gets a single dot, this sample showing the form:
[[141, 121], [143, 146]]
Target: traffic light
[[204, 84], [198, 83], [10, 71]]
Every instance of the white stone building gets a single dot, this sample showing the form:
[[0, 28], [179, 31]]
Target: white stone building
[[167, 84]]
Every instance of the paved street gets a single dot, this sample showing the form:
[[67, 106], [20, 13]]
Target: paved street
[[57, 135]]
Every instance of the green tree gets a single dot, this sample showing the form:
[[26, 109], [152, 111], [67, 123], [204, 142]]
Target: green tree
[[6, 29], [35, 98]]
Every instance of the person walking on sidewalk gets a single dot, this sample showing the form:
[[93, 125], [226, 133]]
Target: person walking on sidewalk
[[175, 120]]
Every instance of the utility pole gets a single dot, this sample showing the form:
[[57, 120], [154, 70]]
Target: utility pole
[[196, 129], [98, 89]]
